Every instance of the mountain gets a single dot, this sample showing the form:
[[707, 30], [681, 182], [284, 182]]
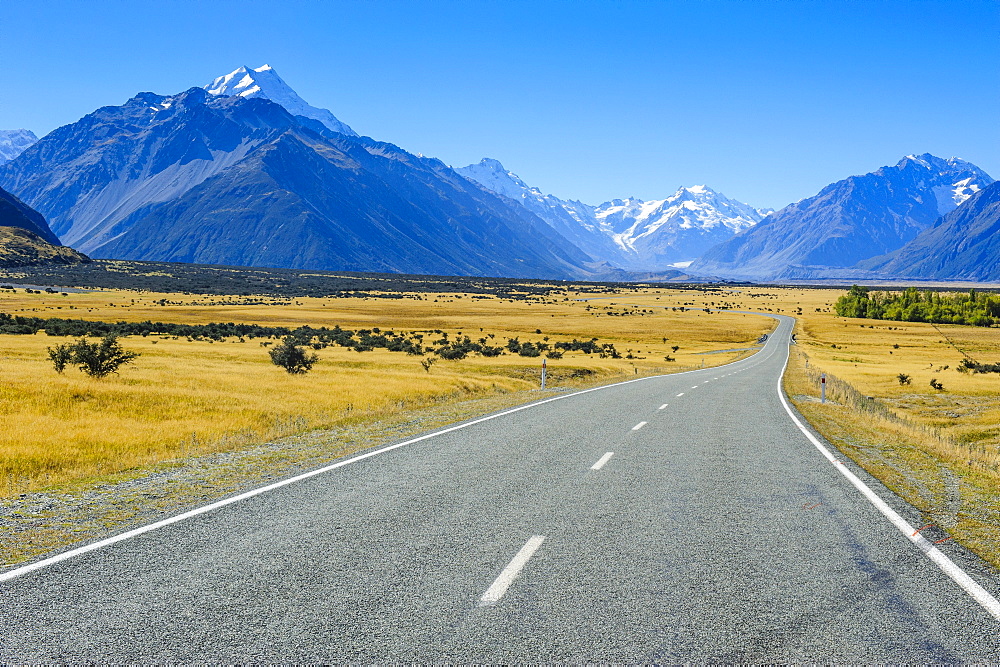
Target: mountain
[[677, 229], [572, 219], [26, 239], [962, 245], [849, 221], [13, 143], [19, 247], [197, 177], [15, 213], [265, 82], [631, 233]]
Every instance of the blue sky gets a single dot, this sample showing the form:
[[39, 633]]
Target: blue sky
[[766, 102]]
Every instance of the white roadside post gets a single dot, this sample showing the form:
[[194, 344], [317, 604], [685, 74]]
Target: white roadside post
[[822, 388], [543, 373]]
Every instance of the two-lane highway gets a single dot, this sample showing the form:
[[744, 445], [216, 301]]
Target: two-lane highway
[[678, 518]]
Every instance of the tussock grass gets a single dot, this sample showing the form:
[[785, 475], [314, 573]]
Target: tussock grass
[[185, 397]]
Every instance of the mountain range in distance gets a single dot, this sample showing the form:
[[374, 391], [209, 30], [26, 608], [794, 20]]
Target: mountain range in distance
[[238, 180], [243, 171], [847, 222], [13, 143], [630, 233]]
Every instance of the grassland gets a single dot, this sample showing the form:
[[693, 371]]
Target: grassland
[[184, 397], [939, 449]]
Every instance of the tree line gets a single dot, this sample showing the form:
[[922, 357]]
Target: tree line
[[912, 305]]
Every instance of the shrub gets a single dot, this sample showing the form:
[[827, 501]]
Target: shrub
[[100, 359], [292, 357], [937, 385], [61, 356], [903, 379]]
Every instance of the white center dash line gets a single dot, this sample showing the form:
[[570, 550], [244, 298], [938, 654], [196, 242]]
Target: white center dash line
[[680, 394], [601, 461], [662, 406], [639, 425], [509, 574]]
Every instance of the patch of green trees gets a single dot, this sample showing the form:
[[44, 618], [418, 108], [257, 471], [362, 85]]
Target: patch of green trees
[[913, 305]]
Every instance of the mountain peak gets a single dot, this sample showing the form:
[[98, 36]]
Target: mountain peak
[[13, 143], [492, 165], [264, 82]]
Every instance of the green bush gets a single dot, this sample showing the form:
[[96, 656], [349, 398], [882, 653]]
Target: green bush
[[95, 359], [292, 357], [61, 356]]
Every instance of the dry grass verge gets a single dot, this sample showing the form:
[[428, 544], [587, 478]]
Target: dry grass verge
[[953, 483]]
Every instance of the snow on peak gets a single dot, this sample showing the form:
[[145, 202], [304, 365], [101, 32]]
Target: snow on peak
[[697, 208], [952, 181], [13, 143], [491, 174], [264, 82], [629, 232]]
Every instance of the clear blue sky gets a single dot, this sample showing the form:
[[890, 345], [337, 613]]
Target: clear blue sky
[[766, 102]]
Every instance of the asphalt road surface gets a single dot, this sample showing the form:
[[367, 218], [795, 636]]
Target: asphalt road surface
[[678, 518]]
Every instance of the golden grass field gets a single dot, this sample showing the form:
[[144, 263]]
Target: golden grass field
[[184, 397], [939, 449]]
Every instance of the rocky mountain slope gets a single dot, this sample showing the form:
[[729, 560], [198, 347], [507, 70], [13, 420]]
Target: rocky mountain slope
[[639, 235], [25, 238], [15, 213], [197, 177], [849, 221], [962, 245]]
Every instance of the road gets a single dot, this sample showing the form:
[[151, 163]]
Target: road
[[668, 519]]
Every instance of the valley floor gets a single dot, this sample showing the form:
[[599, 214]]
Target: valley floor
[[194, 419]]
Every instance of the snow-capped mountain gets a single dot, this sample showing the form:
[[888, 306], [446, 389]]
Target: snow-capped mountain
[[848, 221], [678, 228], [13, 143], [962, 245], [229, 179], [631, 233], [573, 219], [265, 82]]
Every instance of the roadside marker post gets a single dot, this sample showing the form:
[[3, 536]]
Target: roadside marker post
[[543, 374], [822, 390]]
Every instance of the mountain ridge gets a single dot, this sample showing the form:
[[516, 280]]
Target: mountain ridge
[[964, 244], [636, 235], [233, 180], [264, 82], [848, 221]]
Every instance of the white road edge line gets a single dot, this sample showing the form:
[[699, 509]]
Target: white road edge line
[[601, 461], [947, 565], [204, 509], [639, 425], [509, 574]]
